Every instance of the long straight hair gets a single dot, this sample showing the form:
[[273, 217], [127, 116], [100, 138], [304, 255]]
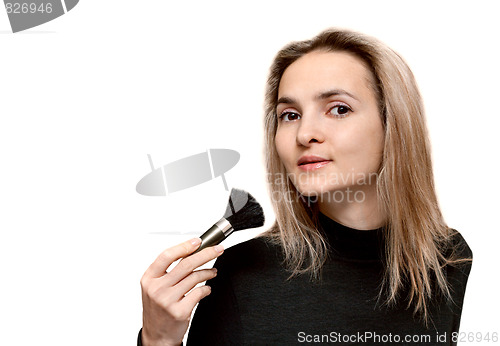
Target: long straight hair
[[416, 235]]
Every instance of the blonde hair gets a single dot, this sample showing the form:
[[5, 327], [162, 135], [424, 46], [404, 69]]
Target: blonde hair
[[416, 235]]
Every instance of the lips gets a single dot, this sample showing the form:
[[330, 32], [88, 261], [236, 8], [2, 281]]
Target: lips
[[312, 162]]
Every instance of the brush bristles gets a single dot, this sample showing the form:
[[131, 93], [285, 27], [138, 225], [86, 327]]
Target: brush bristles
[[243, 211]]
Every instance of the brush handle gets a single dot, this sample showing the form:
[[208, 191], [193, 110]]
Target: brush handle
[[215, 235]]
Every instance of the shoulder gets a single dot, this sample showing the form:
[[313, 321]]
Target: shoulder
[[242, 271], [457, 247], [253, 255], [459, 257]]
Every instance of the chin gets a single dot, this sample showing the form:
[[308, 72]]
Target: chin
[[334, 194], [315, 190]]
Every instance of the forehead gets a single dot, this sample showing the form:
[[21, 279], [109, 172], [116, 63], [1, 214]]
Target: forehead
[[320, 70]]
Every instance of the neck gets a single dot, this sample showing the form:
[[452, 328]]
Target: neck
[[356, 207]]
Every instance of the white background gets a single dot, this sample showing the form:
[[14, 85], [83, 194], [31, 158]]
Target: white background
[[85, 98]]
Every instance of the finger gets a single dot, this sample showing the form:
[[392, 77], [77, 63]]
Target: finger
[[193, 279], [167, 257], [188, 264], [194, 297]]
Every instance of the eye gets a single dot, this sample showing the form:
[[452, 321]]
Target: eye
[[289, 116], [340, 111]]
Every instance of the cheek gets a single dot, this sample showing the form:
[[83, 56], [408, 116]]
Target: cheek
[[361, 148]]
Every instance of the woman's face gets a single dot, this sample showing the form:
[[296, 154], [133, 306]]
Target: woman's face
[[330, 134]]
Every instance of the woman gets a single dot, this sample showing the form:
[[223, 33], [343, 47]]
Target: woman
[[359, 252]]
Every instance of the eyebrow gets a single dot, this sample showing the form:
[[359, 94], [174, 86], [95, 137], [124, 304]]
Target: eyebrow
[[335, 92], [321, 96]]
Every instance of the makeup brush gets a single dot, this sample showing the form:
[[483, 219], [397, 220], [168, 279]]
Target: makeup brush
[[242, 212]]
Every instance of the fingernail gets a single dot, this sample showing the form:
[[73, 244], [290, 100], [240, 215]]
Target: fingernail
[[214, 270], [195, 241], [219, 248]]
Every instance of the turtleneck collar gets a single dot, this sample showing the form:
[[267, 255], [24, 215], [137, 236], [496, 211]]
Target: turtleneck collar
[[352, 244]]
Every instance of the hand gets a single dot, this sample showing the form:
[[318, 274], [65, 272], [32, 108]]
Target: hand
[[167, 307]]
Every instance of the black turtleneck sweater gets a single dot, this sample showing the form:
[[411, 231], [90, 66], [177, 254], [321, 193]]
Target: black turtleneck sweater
[[253, 303]]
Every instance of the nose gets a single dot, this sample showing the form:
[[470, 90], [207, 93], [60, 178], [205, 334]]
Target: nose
[[310, 131]]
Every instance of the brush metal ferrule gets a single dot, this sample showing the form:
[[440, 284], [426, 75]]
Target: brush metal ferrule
[[225, 227], [216, 234]]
